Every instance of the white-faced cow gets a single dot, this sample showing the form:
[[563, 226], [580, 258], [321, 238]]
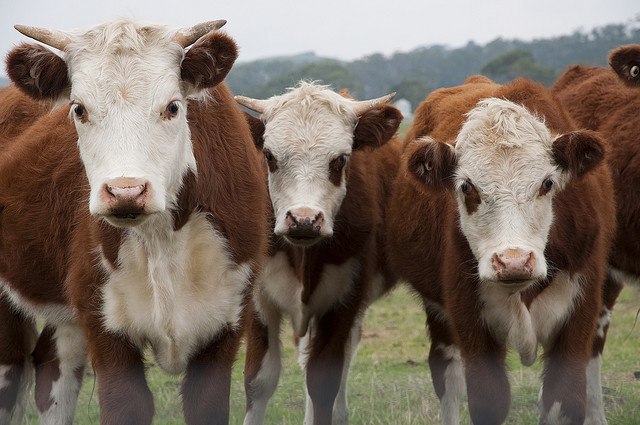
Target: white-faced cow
[[502, 225], [134, 217], [328, 189]]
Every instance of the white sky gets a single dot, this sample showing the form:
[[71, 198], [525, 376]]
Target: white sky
[[341, 29]]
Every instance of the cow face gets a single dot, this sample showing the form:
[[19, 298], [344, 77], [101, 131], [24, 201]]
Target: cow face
[[309, 135], [625, 61], [128, 87], [505, 171]]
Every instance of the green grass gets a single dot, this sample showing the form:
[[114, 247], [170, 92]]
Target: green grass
[[390, 382]]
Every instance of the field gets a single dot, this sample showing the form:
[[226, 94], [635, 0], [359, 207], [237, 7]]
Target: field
[[390, 382]]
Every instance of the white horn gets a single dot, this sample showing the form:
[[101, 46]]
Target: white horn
[[256, 105], [362, 106], [56, 39], [189, 35]]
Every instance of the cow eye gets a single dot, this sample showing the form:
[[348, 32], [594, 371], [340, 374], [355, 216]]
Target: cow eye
[[466, 187], [171, 110], [546, 187], [272, 163], [79, 111], [635, 71], [338, 163]]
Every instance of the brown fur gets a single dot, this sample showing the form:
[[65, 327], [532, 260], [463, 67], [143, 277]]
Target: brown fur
[[598, 99], [37, 71], [48, 244], [427, 249]]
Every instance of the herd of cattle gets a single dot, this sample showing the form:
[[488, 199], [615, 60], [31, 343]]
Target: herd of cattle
[[140, 207]]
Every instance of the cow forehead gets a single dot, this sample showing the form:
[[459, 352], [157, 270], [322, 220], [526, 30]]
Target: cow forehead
[[503, 143], [126, 59]]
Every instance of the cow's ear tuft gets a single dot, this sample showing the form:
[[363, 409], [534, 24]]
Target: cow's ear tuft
[[37, 71], [432, 163], [578, 152], [376, 126]]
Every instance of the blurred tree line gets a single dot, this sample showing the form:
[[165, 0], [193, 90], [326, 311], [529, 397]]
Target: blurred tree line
[[414, 74]]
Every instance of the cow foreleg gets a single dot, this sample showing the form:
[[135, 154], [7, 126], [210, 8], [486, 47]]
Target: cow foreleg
[[595, 404], [17, 335], [207, 384], [447, 371], [263, 361], [330, 343], [125, 398], [59, 358]]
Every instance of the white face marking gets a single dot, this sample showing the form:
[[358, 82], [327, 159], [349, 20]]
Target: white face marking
[[305, 130], [124, 82], [71, 347], [175, 290], [454, 385], [505, 153]]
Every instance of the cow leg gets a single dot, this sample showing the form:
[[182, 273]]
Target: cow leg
[[324, 352], [564, 388], [341, 406], [207, 384], [263, 361], [595, 405], [59, 359], [17, 338], [125, 398], [447, 371]]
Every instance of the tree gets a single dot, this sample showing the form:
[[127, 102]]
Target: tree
[[517, 63]]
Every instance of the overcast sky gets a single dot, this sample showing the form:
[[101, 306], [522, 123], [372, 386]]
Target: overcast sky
[[335, 28]]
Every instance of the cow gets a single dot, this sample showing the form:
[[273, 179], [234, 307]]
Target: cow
[[329, 174], [500, 220], [132, 217]]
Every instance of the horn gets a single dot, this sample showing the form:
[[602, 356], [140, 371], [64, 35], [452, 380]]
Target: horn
[[362, 106], [256, 105], [189, 35], [56, 39]]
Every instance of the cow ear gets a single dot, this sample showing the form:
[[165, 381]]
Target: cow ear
[[37, 71], [625, 61], [256, 126], [376, 126], [432, 163], [209, 61], [578, 152]]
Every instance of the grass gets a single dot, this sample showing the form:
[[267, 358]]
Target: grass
[[390, 382]]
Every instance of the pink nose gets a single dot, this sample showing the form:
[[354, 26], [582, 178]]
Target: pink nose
[[514, 264], [304, 223], [125, 196]]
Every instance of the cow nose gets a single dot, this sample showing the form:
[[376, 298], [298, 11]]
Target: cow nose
[[125, 196], [304, 223], [514, 265]]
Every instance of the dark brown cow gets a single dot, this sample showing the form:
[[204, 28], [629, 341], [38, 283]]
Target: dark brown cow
[[160, 252], [502, 225], [328, 189]]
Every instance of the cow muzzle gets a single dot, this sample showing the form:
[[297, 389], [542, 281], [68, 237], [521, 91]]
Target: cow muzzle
[[304, 226], [125, 200], [514, 267]]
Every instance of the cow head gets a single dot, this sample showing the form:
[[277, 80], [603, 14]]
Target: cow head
[[625, 61], [505, 169], [128, 86], [309, 135]]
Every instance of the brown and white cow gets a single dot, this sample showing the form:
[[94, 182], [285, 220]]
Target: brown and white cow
[[328, 188], [502, 225], [135, 217]]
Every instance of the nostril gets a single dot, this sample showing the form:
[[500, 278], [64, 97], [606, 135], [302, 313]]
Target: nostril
[[497, 263], [531, 263], [290, 219]]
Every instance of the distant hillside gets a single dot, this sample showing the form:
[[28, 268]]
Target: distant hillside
[[4, 82], [414, 74]]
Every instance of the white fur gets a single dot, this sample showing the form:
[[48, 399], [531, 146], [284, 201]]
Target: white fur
[[305, 129], [175, 290], [125, 77], [624, 277], [603, 321], [454, 385], [71, 348], [509, 320], [595, 405], [555, 416], [505, 152], [55, 314], [553, 306], [16, 416]]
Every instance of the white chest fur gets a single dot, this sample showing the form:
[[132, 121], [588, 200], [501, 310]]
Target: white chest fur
[[280, 286], [175, 290]]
